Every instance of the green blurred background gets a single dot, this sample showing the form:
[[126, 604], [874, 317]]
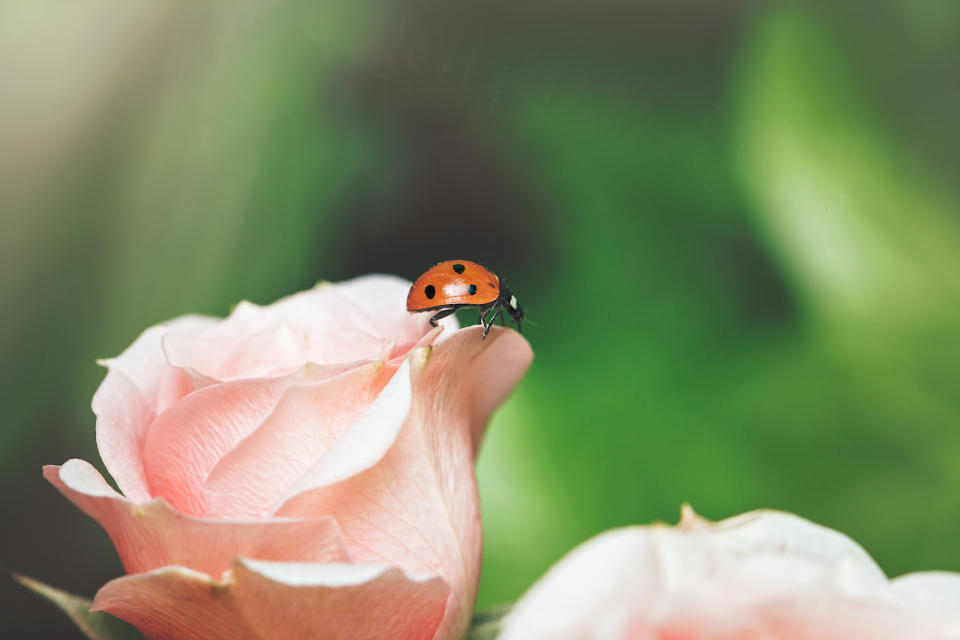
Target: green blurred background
[[736, 225]]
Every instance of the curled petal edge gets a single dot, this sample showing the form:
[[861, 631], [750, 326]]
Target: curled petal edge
[[151, 534], [258, 599]]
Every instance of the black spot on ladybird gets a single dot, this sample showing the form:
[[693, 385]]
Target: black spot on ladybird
[[430, 291], [459, 268], [472, 289]]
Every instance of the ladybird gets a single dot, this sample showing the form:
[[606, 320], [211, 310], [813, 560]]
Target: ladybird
[[453, 284]]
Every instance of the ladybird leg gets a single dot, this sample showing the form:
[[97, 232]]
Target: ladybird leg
[[483, 321], [492, 310], [439, 315], [495, 313]]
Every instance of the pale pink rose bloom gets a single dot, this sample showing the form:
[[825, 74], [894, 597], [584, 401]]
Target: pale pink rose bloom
[[299, 470], [764, 575]]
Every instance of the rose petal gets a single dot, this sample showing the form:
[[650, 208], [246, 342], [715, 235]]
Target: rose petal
[[365, 442], [369, 438], [306, 421], [277, 600], [766, 533], [139, 386], [186, 442], [330, 323], [596, 588], [276, 350], [152, 535], [490, 372], [760, 575], [417, 506], [819, 614], [382, 298], [935, 595], [350, 321]]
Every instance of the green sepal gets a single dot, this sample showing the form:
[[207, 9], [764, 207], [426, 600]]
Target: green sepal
[[95, 625], [487, 624]]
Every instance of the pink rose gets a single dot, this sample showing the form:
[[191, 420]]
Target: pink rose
[[298, 470], [763, 575]]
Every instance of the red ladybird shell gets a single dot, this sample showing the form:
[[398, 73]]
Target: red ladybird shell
[[453, 282]]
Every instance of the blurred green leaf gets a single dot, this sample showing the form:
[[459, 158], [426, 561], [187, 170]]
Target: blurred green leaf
[[870, 239], [867, 234], [747, 311], [207, 155], [656, 286]]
